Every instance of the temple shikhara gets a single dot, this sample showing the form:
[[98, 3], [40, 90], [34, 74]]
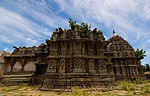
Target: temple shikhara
[[69, 59]]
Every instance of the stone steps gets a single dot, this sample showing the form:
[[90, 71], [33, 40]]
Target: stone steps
[[16, 79]]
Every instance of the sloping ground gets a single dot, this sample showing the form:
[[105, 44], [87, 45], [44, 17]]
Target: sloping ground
[[123, 88]]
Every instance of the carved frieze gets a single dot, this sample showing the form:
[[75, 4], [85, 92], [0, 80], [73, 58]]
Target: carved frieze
[[102, 66], [77, 63], [51, 66]]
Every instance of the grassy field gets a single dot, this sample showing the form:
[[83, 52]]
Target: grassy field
[[123, 88]]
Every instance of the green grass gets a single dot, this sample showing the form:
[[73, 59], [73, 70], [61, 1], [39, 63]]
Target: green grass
[[125, 88], [76, 91]]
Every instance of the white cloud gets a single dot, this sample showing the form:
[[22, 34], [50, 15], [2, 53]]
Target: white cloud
[[108, 12], [30, 21], [15, 26], [146, 10], [127, 17], [6, 49], [30, 41], [148, 40], [120, 14], [14, 20]]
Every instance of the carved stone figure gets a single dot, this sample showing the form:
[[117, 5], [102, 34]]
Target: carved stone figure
[[91, 66], [102, 66], [77, 63], [62, 65], [51, 66]]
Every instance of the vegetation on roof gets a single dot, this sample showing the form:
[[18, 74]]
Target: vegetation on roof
[[83, 28]]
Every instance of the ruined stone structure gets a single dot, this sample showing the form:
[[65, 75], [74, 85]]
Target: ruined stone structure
[[68, 60], [2, 54]]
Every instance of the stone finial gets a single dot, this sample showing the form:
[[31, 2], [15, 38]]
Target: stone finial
[[114, 34]]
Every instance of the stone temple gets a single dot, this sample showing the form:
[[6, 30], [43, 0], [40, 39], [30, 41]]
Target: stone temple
[[67, 60]]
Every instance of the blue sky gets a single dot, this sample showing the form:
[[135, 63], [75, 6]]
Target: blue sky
[[30, 22]]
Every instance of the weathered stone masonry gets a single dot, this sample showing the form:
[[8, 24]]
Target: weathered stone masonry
[[68, 60]]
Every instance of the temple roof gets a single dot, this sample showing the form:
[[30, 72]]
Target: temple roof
[[120, 47], [60, 34], [24, 51]]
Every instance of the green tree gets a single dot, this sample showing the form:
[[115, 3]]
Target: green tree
[[140, 53], [72, 23], [84, 30]]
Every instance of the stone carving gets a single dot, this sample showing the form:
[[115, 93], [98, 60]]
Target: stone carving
[[77, 63], [91, 66], [51, 66], [102, 66], [82, 63], [68, 60], [70, 65], [62, 65], [118, 71]]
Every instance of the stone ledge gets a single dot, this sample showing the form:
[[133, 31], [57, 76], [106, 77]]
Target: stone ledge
[[24, 75]]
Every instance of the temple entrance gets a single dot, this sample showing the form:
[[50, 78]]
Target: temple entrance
[[41, 68], [39, 73]]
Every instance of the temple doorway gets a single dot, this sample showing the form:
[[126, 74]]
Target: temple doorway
[[41, 68], [39, 73]]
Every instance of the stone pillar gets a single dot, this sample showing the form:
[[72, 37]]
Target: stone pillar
[[123, 71], [63, 48], [78, 48], [23, 62], [123, 67], [83, 48], [73, 48], [12, 65], [118, 71], [136, 70]]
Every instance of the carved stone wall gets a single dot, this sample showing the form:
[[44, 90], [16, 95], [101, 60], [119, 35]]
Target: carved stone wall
[[125, 63], [30, 66], [17, 67], [67, 60]]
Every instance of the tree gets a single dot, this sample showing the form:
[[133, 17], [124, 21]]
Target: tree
[[72, 23], [84, 30], [140, 53], [147, 67]]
